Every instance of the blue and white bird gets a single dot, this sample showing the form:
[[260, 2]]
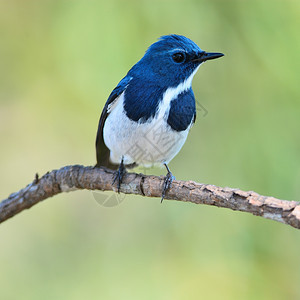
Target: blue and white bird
[[148, 116]]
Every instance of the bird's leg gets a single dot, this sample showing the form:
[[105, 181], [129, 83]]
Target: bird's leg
[[167, 184], [119, 174]]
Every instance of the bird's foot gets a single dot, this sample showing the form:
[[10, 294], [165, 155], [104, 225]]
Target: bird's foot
[[167, 183], [119, 175]]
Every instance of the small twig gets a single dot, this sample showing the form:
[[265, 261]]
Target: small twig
[[71, 178], [36, 178]]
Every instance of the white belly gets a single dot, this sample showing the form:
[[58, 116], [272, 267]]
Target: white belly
[[147, 144]]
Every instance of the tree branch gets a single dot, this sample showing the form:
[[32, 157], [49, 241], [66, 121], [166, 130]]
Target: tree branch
[[71, 178]]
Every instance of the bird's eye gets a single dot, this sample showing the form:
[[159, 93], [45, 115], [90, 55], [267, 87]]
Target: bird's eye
[[178, 57]]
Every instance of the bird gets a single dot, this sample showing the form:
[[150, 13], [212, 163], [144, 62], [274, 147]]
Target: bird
[[148, 115]]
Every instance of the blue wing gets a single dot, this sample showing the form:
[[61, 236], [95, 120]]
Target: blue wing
[[103, 153]]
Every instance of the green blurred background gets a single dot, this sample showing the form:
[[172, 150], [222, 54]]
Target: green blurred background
[[59, 61]]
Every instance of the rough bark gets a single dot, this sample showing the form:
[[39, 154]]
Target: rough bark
[[71, 178]]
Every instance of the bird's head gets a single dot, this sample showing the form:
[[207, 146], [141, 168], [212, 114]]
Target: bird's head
[[171, 60]]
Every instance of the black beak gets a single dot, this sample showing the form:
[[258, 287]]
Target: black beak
[[204, 56]]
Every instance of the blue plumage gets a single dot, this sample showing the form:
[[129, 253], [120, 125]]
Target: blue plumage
[[119, 89], [141, 104], [182, 111], [147, 117]]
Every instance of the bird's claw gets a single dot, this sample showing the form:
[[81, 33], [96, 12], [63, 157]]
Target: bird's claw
[[167, 184], [119, 174]]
